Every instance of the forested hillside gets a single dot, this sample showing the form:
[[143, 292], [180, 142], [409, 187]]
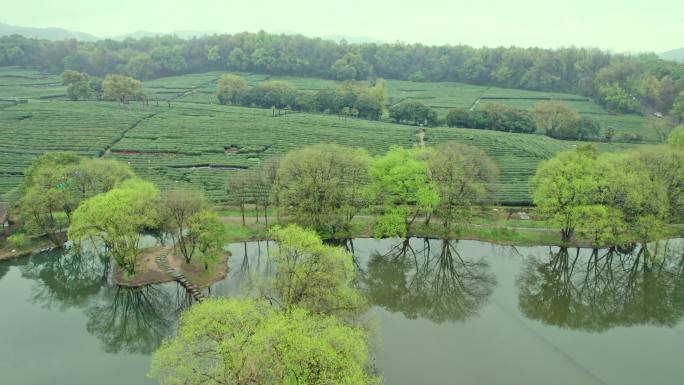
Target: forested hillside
[[643, 83]]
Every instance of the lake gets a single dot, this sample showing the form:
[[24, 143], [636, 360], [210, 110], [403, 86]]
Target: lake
[[445, 312]]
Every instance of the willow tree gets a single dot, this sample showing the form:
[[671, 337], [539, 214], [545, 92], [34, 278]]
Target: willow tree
[[231, 89], [465, 179], [116, 219], [323, 186], [56, 183], [312, 275], [568, 186], [243, 342], [401, 181], [177, 208]]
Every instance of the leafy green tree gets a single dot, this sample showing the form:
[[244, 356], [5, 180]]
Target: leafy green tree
[[78, 84], [241, 342], [350, 67], [676, 137], [94, 176], [273, 93], [116, 219], [400, 178], [556, 119], [664, 167], [57, 183], [238, 59], [566, 187], [677, 110], [169, 59], [312, 275], [231, 89], [176, 209], [120, 88], [413, 113], [238, 188], [458, 117], [208, 235], [140, 66], [323, 186], [465, 177], [617, 98]]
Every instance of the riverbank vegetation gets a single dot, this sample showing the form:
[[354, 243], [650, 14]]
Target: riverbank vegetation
[[294, 336]]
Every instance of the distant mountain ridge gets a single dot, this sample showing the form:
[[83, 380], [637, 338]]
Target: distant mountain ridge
[[183, 34], [675, 54], [62, 34], [45, 33]]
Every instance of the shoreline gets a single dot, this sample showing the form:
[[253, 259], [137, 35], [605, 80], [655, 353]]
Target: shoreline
[[491, 232]]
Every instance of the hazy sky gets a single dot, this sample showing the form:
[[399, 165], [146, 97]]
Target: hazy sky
[[618, 25]]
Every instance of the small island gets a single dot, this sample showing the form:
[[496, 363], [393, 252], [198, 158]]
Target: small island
[[148, 270]]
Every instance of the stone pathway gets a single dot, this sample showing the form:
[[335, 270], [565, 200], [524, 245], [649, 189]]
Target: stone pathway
[[179, 277]]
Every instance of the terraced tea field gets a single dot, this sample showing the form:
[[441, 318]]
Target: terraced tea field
[[19, 83], [441, 96], [199, 143], [30, 129]]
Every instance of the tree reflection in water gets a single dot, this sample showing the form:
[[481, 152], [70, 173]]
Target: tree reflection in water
[[66, 279], [135, 320], [435, 283], [125, 319], [603, 289]]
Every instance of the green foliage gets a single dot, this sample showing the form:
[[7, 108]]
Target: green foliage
[[312, 275], [617, 98], [413, 113], [278, 94], [492, 116], [121, 88], [56, 183], [400, 179], [208, 235], [557, 120], [177, 208], [664, 168], [677, 110], [350, 67], [117, 218], [17, 241], [241, 342], [465, 179], [676, 138], [614, 197], [566, 188], [323, 186], [231, 89], [78, 84]]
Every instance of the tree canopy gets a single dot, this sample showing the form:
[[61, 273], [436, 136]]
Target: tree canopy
[[121, 88], [116, 219], [242, 342], [323, 186]]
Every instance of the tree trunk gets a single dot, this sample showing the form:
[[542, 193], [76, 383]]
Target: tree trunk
[[242, 211]]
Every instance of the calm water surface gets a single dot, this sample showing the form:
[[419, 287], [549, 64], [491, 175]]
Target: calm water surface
[[447, 312]]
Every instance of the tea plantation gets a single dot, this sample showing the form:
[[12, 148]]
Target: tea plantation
[[194, 141]]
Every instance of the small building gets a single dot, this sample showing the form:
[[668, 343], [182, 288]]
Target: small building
[[4, 218]]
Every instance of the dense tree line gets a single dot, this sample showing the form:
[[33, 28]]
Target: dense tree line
[[553, 118], [325, 186], [613, 198], [351, 99], [641, 83], [415, 113]]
